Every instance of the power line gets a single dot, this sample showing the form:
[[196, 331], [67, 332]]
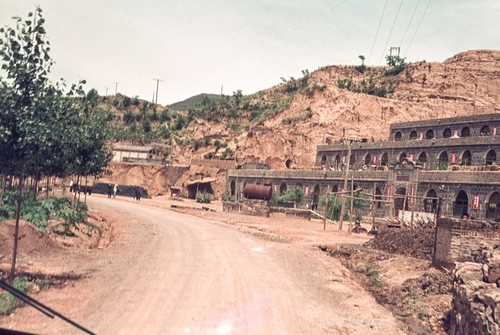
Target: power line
[[378, 29], [418, 26], [390, 32], [409, 23]]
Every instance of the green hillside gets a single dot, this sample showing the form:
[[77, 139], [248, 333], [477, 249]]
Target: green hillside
[[197, 101]]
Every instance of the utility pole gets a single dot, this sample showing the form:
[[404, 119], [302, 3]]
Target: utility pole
[[157, 85], [349, 142], [106, 90], [395, 49], [116, 87]]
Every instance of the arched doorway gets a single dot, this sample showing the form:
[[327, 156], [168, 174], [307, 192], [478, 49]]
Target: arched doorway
[[323, 160], [430, 201], [493, 207], [422, 158], [491, 157], [413, 135], [400, 200], [398, 136], [466, 158], [288, 163], [429, 134], [385, 159], [335, 188], [337, 163], [283, 188], [368, 160], [233, 188], [461, 204], [378, 198], [447, 133], [315, 201], [352, 161], [443, 161], [402, 156]]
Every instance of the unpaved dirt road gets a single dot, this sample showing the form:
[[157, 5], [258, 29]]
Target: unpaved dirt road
[[173, 273]]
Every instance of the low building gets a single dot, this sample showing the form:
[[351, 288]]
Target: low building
[[124, 153]]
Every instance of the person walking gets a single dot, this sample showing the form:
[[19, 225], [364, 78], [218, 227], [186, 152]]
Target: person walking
[[110, 190], [115, 190], [137, 194]]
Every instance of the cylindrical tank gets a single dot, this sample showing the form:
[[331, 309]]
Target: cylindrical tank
[[257, 191]]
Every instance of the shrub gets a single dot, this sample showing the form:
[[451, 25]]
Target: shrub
[[204, 198], [7, 301]]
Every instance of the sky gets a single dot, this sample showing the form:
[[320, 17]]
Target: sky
[[214, 46]]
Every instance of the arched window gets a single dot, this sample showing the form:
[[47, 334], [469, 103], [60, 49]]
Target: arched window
[[443, 161], [368, 160], [461, 204], [465, 132], [491, 157], [466, 158], [398, 136], [485, 131], [288, 163], [323, 160], [233, 188], [283, 188], [493, 207], [422, 158], [447, 133], [413, 135], [429, 134], [402, 156], [430, 201], [385, 159]]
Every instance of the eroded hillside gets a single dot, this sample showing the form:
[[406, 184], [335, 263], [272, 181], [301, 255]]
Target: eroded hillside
[[465, 84]]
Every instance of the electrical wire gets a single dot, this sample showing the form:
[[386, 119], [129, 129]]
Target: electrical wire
[[409, 23], [390, 32], [376, 34], [418, 26]]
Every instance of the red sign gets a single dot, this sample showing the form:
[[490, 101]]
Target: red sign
[[475, 202]]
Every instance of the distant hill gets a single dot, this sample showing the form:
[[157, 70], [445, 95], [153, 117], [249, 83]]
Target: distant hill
[[197, 101]]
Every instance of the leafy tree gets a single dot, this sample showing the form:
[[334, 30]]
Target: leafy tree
[[43, 131]]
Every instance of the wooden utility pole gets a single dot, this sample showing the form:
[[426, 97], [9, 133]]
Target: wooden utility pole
[[157, 85], [346, 177]]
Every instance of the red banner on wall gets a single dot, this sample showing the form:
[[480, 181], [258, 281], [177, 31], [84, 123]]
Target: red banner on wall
[[475, 202]]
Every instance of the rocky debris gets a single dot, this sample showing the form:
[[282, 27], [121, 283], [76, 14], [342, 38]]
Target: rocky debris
[[476, 298], [417, 243]]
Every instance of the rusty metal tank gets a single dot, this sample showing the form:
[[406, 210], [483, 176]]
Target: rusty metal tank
[[257, 191]]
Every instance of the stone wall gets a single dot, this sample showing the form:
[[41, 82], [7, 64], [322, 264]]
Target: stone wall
[[475, 306], [248, 207], [456, 240]]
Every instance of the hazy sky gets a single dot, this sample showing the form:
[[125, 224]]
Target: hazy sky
[[200, 46]]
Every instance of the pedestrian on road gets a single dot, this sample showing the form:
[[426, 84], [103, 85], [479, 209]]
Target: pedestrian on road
[[115, 190], [110, 190], [137, 194]]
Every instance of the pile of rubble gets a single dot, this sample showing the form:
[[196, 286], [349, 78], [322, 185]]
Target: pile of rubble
[[417, 243], [476, 299]]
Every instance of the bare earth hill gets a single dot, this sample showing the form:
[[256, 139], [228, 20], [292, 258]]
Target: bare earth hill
[[465, 84]]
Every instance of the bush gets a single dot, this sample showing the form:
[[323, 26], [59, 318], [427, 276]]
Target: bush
[[204, 198]]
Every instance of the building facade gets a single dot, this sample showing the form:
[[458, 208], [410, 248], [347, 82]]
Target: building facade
[[448, 165]]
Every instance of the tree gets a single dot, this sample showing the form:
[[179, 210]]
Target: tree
[[43, 131]]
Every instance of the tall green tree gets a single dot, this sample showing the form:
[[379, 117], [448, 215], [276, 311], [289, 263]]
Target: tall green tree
[[43, 131]]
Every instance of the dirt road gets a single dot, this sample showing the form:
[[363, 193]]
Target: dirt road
[[173, 273]]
